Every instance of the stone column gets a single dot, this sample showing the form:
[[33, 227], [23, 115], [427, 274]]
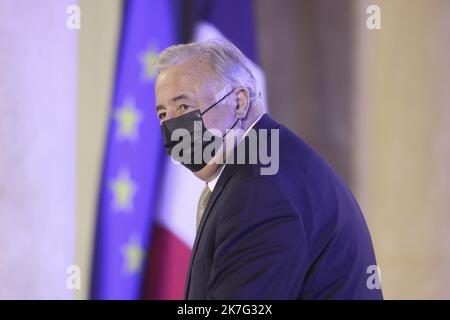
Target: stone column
[[37, 148], [402, 151]]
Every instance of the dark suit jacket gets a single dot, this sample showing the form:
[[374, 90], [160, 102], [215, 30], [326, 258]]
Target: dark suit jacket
[[298, 234]]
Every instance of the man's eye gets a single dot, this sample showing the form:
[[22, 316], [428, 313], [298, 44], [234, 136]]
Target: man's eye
[[184, 107], [162, 115]]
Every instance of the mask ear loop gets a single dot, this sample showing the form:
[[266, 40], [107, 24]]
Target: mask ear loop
[[228, 130], [215, 104]]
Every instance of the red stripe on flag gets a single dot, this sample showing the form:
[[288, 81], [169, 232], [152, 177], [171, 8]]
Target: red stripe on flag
[[167, 267]]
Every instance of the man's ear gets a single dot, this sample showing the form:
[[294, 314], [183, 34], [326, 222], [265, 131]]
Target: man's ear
[[242, 102]]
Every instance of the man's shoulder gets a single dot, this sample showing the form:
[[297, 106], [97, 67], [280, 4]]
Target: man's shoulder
[[300, 170], [293, 152]]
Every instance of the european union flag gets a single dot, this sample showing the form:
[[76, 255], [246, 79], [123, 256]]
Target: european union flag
[[133, 155]]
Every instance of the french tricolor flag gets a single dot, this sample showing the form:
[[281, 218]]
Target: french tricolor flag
[[174, 228]]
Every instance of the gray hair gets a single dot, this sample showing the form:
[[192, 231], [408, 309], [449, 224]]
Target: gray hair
[[229, 63]]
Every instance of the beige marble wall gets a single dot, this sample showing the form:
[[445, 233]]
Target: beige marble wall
[[407, 132], [97, 55]]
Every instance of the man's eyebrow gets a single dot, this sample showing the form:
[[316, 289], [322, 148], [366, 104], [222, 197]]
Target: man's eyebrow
[[174, 99], [180, 97]]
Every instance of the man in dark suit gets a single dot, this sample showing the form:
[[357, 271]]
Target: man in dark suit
[[289, 231]]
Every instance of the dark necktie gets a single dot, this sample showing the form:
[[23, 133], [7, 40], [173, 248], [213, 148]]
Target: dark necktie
[[202, 202]]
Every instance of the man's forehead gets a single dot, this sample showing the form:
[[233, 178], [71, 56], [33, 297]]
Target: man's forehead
[[191, 69]]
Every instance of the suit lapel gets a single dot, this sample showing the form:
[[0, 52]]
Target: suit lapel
[[224, 178], [264, 123]]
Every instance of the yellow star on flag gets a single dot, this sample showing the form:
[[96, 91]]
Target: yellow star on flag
[[133, 255], [123, 189], [128, 118], [148, 59]]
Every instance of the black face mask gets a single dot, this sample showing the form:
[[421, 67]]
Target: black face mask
[[199, 137]]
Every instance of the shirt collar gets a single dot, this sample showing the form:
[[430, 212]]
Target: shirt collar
[[212, 183]]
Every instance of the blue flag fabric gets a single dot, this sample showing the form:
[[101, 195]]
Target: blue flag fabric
[[234, 19], [133, 156]]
